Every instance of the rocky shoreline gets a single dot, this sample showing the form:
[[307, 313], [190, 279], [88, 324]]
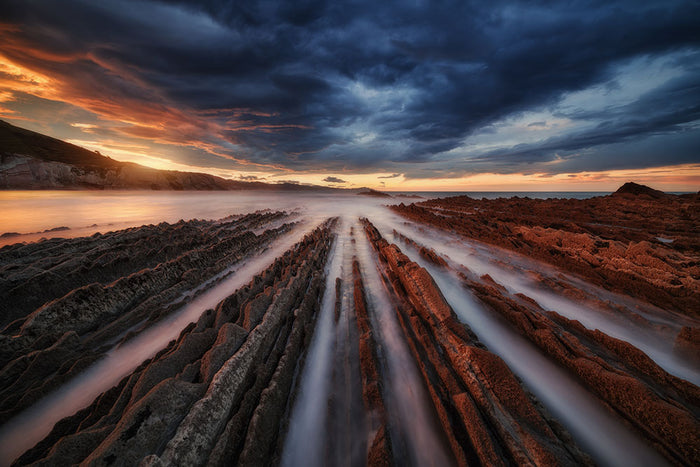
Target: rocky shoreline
[[144, 274], [225, 389], [662, 408], [219, 392], [484, 412], [637, 241]]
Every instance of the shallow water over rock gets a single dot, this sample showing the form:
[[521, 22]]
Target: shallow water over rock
[[393, 358]]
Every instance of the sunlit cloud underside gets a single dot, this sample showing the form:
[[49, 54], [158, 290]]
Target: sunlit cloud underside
[[505, 96]]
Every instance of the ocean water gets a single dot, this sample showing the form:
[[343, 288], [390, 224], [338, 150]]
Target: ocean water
[[506, 194], [34, 214]]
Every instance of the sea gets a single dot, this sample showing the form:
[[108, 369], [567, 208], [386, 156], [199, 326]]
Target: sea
[[32, 215]]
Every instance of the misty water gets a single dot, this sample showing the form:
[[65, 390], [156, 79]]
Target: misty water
[[29, 427], [512, 271], [411, 417], [33, 213]]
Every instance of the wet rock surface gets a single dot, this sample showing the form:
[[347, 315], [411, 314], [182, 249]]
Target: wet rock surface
[[637, 241], [146, 273], [486, 415], [662, 408], [379, 450], [221, 392], [228, 389]]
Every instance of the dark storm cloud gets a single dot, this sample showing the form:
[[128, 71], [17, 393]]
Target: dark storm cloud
[[370, 85], [658, 114]]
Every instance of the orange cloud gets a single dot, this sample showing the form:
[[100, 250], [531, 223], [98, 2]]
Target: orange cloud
[[116, 93], [670, 178], [16, 78]]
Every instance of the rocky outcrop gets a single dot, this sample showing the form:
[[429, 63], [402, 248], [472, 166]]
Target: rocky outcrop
[[635, 189], [660, 407], [220, 393], [485, 413], [379, 451], [374, 193], [638, 241], [34, 274], [156, 269]]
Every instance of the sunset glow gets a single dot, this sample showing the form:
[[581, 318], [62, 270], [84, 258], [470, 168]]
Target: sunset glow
[[172, 96], [319, 233]]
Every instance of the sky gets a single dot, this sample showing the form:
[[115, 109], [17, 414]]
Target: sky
[[407, 95]]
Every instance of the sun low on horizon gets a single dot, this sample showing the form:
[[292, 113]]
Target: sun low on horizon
[[455, 96]]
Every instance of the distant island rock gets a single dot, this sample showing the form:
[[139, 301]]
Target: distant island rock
[[375, 193], [57, 229]]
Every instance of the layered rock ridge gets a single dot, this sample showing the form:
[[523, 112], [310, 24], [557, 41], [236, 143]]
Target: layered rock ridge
[[75, 299], [221, 393], [637, 241], [660, 408], [486, 415]]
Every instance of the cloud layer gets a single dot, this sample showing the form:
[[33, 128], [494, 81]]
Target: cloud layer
[[430, 89]]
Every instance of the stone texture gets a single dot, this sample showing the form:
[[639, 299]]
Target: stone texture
[[637, 241], [486, 415]]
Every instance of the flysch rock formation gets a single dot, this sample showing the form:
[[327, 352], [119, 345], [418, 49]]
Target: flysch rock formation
[[221, 393], [486, 415], [379, 450], [228, 390], [71, 300], [663, 409], [638, 241]]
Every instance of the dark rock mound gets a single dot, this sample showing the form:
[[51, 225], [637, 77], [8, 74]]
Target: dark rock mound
[[375, 193], [636, 189]]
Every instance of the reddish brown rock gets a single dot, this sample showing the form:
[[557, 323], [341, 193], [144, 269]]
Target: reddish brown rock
[[660, 406], [486, 415], [688, 343], [379, 452], [638, 241]]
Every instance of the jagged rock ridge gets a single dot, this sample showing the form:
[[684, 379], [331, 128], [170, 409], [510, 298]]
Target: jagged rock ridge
[[101, 287], [635, 241], [218, 394], [224, 390]]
